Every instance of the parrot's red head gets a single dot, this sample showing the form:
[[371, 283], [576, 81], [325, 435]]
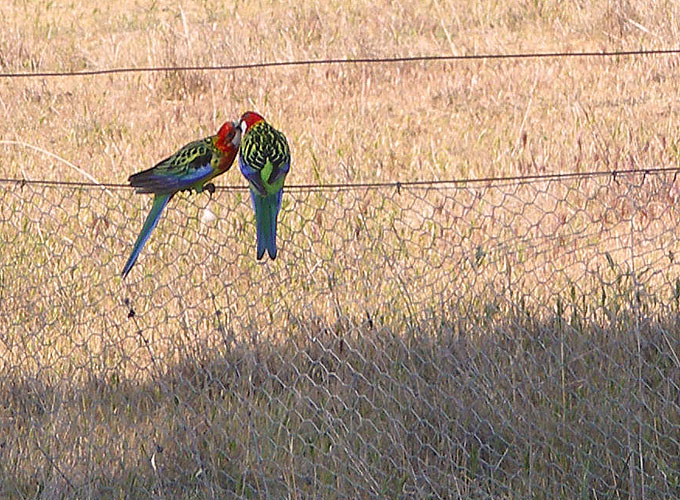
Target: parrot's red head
[[249, 119], [228, 137]]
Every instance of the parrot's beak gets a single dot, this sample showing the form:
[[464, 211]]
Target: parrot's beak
[[236, 141]]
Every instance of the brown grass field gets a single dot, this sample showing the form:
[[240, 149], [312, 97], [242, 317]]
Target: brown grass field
[[499, 340]]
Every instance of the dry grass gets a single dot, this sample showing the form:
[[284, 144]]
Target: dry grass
[[516, 341]]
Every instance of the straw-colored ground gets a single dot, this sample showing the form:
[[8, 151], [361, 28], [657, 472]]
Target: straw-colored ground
[[488, 341]]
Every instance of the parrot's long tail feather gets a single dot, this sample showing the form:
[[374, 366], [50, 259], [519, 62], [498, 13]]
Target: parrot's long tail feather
[[266, 212], [159, 203]]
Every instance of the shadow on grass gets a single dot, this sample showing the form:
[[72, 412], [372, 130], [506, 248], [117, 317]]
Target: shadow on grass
[[504, 407]]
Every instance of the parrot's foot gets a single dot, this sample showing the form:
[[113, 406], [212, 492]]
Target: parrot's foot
[[209, 187]]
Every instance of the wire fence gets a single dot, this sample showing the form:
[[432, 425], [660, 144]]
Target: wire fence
[[511, 337], [506, 339], [347, 60]]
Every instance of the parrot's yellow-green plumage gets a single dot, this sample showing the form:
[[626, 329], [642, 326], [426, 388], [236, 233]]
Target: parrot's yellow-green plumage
[[264, 161]]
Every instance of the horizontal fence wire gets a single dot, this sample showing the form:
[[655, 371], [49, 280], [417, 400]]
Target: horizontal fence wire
[[494, 341], [333, 61], [397, 185]]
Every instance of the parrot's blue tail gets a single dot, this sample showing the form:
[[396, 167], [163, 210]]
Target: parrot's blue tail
[[159, 203], [266, 212]]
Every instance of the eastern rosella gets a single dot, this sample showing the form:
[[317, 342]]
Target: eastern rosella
[[264, 160], [190, 168]]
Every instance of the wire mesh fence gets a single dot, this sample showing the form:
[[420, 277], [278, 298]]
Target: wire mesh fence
[[505, 340]]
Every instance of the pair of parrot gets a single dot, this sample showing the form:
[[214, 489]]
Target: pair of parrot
[[264, 161]]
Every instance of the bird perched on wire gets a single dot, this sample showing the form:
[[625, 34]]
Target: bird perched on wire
[[264, 161], [190, 168]]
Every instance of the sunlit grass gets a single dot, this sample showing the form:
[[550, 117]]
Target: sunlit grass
[[482, 341]]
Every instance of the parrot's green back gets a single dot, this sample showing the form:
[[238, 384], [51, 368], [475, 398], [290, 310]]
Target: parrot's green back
[[265, 153], [265, 161], [189, 168]]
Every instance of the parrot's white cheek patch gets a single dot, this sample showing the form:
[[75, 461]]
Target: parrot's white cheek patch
[[243, 126]]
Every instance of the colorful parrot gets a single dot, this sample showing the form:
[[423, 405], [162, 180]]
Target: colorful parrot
[[264, 160], [190, 168]]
